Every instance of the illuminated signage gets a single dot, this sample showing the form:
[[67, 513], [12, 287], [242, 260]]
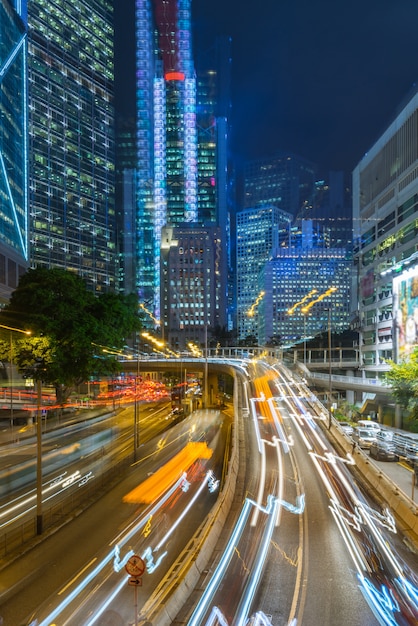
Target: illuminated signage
[[405, 311]]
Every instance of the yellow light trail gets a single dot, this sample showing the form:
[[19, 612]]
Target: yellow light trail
[[308, 295], [154, 486], [326, 293], [253, 307], [154, 319]]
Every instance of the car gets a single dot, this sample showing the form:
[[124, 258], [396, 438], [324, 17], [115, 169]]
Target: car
[[369, 425], [385, 434], [382, 450], [346, 428], [363, 437]]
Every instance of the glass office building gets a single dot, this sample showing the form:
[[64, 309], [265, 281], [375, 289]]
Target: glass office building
[[71, 134], [166, 133], [259, 231], [13, 148]]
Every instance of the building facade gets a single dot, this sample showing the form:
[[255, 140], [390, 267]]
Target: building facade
[[284, 180], [385, 211], [166, 133], [14, 224], [71, 138], [181, 145], [306, 286], [192, 295], [258, 232]]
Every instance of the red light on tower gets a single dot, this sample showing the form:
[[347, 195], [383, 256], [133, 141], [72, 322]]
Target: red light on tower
[[174, 76]]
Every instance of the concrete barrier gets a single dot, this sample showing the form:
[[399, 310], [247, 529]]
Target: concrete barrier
[[381, 486]]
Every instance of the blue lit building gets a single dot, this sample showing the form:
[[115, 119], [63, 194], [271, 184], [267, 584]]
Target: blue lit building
[[259, 231], [13, 147], [166, 133], [284, 180], [182, 134], [303, 281], [71, 135]]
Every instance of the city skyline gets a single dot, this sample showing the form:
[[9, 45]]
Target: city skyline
[[320, 80]]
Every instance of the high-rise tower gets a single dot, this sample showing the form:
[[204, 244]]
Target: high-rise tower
[[13, 147], [166, 132], [71, 127], [181, 173]]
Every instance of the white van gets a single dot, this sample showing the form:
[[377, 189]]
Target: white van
[[369, 425]]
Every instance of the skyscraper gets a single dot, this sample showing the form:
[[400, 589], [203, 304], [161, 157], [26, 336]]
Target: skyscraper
[[166, 132], [181, 146], [258, 234], [302, 281], [71, 126], [13, 147], [284, 180]]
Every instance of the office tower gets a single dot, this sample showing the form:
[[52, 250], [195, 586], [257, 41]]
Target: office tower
[[284, 180], [181, 141], [385, 211], [259, 231], [125, 202], [166, 133], [303, 282], [71, 126], [13, 148], [332, 207], [190, 262]]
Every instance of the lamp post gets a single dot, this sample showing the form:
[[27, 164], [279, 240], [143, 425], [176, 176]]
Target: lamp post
[[11, 329], [136, 409], [39, 514], [206, 366], [329, 371]]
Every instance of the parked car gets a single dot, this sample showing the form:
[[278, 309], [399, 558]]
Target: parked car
[[363, 437], [346, 428], [382, 450], [369, 425], [385, 434]]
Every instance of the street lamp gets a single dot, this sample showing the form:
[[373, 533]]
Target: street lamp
[[136, 408], [11, 329], [329, 371]]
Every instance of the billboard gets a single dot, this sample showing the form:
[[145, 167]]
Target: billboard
[[405, 312]]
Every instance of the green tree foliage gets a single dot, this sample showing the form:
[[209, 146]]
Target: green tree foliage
[[70, 327], [403, 378]]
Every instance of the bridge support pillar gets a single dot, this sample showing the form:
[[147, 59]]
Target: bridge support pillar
[[380, 413], [212, 391], [398, 416]]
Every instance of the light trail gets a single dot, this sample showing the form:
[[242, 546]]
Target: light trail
[[357, 524], [148, 554], [27, 502], [203, 605]]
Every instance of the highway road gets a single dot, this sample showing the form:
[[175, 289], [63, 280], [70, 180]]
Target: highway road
[[333, 560], [308, 546], [70, 575]]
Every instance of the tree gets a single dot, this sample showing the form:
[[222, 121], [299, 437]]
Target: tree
[[403, 378], [69, 326]]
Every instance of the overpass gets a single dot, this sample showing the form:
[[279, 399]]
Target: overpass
[[375, 394]]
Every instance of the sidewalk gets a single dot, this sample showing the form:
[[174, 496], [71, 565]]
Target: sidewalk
[[402, 475]]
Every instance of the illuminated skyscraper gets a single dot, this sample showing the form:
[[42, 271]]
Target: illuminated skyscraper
[[71, 126], [259, 231], [181, 144], [284, 180], [166, 132], [13, 147]]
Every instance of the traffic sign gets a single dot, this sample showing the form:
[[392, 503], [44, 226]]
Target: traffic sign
[[135, 582], [135, 566]]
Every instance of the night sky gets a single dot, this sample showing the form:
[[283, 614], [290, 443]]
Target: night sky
[[319, 78]]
